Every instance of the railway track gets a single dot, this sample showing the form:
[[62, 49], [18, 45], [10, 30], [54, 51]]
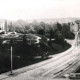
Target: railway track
[[52, 72], [63, 68], [46, 70]]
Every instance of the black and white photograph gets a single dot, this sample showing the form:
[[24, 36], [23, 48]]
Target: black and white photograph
[[39, 39]]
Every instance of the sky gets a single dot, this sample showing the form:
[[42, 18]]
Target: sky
[[38, 9]]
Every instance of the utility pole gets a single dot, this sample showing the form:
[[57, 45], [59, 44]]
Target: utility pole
[[11, 44], [11, 61]]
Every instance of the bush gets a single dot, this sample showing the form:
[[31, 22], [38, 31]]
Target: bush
[[70, 35]]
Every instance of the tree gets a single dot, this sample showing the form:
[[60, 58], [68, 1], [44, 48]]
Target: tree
[[41, 32], [11, 28], [42, 24], [24, 40], [59, 38], [52, 34], [11, 42], [59, 27], [66, 31]]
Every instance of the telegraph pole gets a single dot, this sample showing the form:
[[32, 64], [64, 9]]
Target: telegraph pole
[[11, 44], [11, 61]]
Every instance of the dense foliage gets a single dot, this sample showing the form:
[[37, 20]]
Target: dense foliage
[[47, 29]]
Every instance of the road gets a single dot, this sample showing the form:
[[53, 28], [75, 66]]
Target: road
[[50, 69]]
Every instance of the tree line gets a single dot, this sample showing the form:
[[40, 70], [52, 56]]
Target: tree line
[[50, 30]]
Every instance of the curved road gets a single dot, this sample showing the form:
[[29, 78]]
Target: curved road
[[50, 69]]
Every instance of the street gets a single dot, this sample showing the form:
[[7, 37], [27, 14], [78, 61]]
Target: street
[[53, 68]]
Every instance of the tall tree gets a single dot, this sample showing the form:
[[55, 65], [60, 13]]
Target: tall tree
[[52, 34], [24, 40], [41, 32], [59, 27]]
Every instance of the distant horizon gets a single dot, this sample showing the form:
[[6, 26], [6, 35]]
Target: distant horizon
[[42, 18]]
